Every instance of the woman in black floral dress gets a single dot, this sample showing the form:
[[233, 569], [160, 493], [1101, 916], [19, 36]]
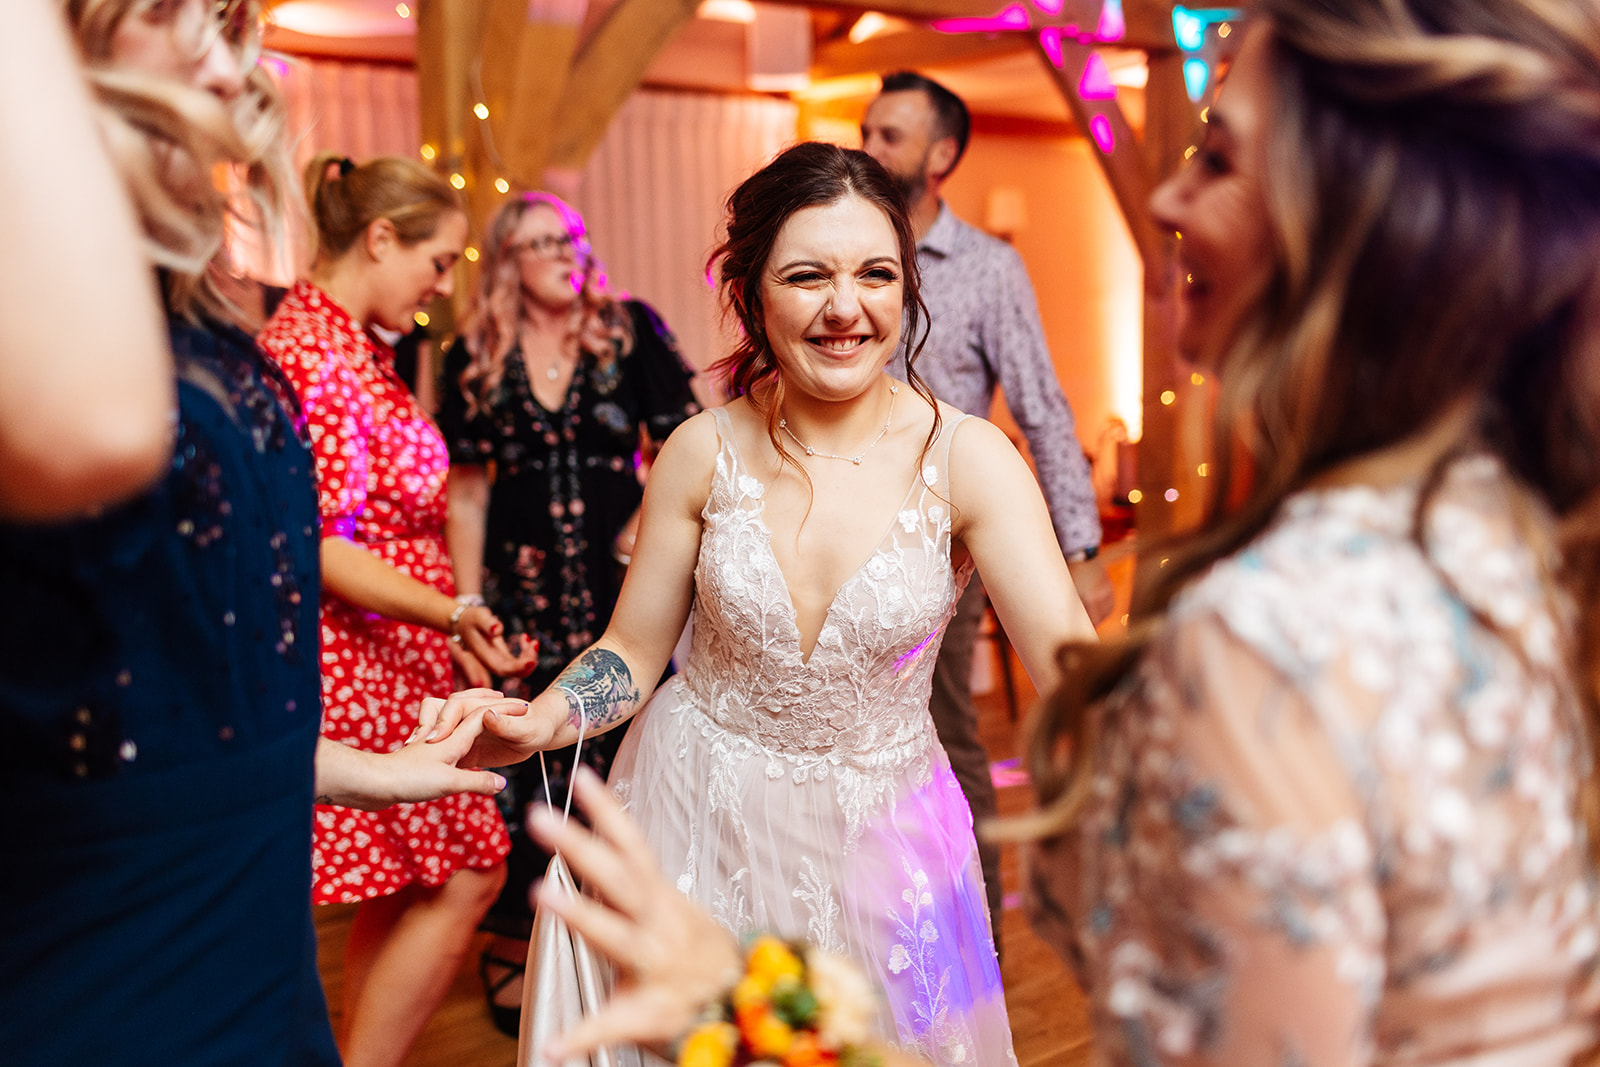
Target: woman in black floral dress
[[544, 400]]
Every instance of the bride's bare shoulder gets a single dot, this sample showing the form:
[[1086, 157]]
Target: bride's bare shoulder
[[687, 459]]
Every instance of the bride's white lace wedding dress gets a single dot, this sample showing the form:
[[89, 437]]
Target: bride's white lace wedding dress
[[809, 797]]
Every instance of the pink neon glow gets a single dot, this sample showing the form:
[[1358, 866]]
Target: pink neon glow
[[1049, 7], [1050, 41], [1014, 17], [1096, 81], [1100, 128], [911, 655], [1113, 26]]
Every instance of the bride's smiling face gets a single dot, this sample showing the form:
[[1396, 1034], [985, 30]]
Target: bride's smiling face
[[831, 296]]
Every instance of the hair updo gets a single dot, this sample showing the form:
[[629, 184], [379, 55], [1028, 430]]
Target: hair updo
[[810, 174], [345, 198]]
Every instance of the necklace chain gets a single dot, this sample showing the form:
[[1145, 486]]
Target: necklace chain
[[783, 424]]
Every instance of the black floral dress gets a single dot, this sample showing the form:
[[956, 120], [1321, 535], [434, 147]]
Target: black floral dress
[[565, 483]]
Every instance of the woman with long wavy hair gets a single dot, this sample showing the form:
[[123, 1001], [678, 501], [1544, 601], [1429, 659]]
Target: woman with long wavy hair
[[1331, 802], [159, 693], [562, 388]]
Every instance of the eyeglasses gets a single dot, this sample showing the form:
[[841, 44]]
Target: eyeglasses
[[203, 23], [237, 22], [554, 246]]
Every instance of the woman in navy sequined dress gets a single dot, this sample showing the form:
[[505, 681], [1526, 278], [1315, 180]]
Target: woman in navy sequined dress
[[159, 694]]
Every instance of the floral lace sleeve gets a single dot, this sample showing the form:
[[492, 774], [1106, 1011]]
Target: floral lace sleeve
[[1333, 814], [1236, 917]]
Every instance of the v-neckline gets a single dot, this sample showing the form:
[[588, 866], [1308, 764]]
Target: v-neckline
[[533, 394], [783, 579]]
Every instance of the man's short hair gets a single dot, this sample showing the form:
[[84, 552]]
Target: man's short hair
[[950, 115]]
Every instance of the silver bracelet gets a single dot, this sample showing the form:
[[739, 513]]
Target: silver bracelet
[[472, 600], [455, 617]]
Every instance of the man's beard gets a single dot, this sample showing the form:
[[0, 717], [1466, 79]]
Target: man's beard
[[914, 184], [911, 187]]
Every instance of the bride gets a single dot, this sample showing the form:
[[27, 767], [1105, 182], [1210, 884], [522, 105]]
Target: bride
[[822, 527]]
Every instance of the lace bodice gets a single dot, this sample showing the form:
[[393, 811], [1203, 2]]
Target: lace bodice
[[809, 795], [860, 700]]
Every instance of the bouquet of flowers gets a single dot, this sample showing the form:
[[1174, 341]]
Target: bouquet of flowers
[[792, 1007]]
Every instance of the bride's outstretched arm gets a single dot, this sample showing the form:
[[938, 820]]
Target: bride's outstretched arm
[[611, 679], [1002, 520]]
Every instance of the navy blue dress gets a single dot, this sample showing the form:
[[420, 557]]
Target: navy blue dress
[[159, 704]]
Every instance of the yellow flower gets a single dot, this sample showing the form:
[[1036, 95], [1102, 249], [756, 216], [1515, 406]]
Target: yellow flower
[[751, 992], [712, 1045], [771, 960]]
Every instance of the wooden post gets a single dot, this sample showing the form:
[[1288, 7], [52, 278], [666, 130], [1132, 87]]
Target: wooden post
[[1117, 150], [608, 68]]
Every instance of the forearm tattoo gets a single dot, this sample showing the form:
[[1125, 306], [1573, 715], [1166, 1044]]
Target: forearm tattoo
[[599, 690]]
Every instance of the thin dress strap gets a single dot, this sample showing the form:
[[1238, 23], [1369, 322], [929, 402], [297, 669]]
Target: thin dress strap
[[939, 456]]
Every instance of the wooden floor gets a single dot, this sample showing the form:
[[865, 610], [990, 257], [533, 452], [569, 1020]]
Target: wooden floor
[[1049, 1024]]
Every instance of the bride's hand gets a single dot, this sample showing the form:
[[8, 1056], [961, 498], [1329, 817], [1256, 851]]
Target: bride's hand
[[673, 958], [511, 731]]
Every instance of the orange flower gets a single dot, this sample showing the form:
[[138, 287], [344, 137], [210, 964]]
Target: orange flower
[[808, 1052], [767, 1035]]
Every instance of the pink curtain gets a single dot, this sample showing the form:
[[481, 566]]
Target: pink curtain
[[653, 191], [360, 110]]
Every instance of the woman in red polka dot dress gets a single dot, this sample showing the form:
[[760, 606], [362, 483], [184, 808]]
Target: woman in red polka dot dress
[[389, 234]]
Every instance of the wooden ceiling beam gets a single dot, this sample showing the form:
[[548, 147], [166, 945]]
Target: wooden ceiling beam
[[1126, 168], [608, 67], [1148, 22], [532, 61], [917, 48]]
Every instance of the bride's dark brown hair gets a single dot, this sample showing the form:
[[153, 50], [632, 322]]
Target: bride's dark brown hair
[[1433, 189], [810, 174]]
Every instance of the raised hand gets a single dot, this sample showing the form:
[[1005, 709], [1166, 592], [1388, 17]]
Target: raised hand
[[479, 632]]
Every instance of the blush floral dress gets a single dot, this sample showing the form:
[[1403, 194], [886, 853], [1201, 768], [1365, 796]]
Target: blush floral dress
[[809, 795], [1332, 813], [381, 468]]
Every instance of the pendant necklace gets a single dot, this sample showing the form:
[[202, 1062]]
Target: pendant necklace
[[783, 424]]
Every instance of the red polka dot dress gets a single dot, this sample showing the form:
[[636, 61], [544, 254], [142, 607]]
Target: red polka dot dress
[[381, 468]]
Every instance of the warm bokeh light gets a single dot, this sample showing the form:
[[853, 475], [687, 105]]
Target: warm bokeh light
[[421, 318], [427, 152], [727, 11], [502, 186], [471, 254], [458, 181]]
